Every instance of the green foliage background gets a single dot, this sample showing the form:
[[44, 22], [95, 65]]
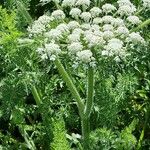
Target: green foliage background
[[122, 102]]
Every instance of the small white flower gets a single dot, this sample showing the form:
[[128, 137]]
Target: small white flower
[[77, 31], [86, 16], [63, 28], [95, 27], [75, 13], [107, 19], [95, 12], [126, 10], [108, 35], [53, 34], [96, 41], [97, 20], [117, 22], [44, 19], [52, 49], [114, 47], [124, 2], [83, 3], [25, 41], [146, 3], [134, 20], [108, 27], [75, 47], [85, 56], [135, 38], [74, 37], [68, 3], [85, 26], [58, 14], [107, 8], [36, 28], [123, 31], [73, 24]]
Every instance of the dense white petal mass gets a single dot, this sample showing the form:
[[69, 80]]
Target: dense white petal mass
[[85, 56], [108, 27], [107, 8], [52, 49], [107, 19], [54, 34], [95, 11], [73, 24], [108, 35], [75, 13], [69, 3], [146, 3], [117, 22], [83, 3], [105, 31], [58, 14], [97, 20], [135, 38], [63, 28], [75, 47], [123, 31], [86, 16], [126, 10], [134, 20]]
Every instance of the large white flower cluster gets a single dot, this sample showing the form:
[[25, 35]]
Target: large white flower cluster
[[146, 3], [86, 35]]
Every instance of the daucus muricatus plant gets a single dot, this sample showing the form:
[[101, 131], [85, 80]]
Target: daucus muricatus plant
[[85, 34]]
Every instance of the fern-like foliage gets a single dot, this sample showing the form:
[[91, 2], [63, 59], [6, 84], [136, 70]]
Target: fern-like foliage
[[59, 142]]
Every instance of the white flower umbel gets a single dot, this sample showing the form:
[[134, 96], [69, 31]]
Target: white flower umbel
[[95, 12], [124, 2], [107, 35], [53, 50], [44, 19], [134, 20], [97, 20], [74, 37], [107, 19], [135, 38], [108, 8], [122, 31], [146, 3], [107, 27], [114, 47], [36, 28], [85, 26], [85, 56], [63, 28], [126, 10], [75, 13], [73, 24], [83, 3], [86, 16], [75, 47], [77, 31], [68, 3], [53, 34], [58, 14], [117, 22]]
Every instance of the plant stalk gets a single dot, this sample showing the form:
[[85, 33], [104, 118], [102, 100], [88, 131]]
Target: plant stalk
[[36, 95], [71, 86], [142, 25]]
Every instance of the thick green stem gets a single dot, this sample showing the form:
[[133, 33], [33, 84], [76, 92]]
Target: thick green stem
[[70, 85], [85, 132], [88, 108], [90, 92], [142, 25], [36, 95]]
